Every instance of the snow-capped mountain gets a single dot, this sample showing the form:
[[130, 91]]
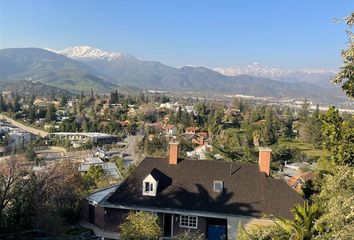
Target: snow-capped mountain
[[260, 70], [86, 52], [88, 68]]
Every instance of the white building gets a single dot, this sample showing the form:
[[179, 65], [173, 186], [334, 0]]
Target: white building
[[200, 152]]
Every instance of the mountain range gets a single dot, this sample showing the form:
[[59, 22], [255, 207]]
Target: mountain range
[[50, 68], [317, 76], [83, 68]]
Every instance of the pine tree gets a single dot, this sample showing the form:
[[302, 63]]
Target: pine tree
[[32, 113], [16, 106], [31, 101], [288, 124], [63, 101], [269, 131], [2, 103], [114, 97], [92, 96], [314, 126], [50, 115], [82, 96], [304, 111]]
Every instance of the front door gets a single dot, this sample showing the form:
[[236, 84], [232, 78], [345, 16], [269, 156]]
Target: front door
[[216, 229], [167, 221], [216, 232]]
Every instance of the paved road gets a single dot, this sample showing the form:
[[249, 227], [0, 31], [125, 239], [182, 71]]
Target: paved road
[[129, 154], [24, 127]]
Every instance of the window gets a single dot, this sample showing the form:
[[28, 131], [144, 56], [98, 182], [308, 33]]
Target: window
[[149, 187], [218, 186], [188, 221]]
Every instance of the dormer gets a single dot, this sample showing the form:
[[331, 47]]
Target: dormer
[[155, 182], [150, 185]]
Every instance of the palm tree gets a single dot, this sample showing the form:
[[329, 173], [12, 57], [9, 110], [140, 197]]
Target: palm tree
[[303, 227]]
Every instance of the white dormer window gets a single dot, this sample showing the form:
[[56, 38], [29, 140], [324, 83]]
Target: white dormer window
[[218, 186], [150, 186]]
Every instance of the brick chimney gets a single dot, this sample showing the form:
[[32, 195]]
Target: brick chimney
[[265, 155], [173, 156]]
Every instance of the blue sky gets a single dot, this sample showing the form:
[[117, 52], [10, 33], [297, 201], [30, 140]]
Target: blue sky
[[282, 33]]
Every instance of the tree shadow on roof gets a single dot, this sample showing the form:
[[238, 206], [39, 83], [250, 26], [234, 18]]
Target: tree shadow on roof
[[202, 200]]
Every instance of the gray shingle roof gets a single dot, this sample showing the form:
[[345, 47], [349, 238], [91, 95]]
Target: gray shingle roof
[[189, 186]]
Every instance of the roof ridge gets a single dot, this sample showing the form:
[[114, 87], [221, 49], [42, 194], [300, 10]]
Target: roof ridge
[[204, 160]]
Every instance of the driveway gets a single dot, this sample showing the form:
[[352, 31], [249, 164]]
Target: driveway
[[129, 153]]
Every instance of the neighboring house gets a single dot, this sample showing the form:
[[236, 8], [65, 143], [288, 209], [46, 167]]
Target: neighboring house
[[190, 133], [86, 137], [200, 138], [298, 181], [19, 138], [108, 168], [171, 130], [192, 130], [40, 121], [200, 152], [173, 106], [212, 197], [190, 109], [104, 154], [71, 103], [132, 111], [297, 168], [166, 105]]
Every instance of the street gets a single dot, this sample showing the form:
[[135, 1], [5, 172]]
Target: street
[[129, 153]]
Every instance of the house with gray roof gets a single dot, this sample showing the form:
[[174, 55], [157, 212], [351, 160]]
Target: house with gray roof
[[108, 168], [212, 197]]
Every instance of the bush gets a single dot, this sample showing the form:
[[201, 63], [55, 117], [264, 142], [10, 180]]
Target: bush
[[189, 235], [140, 226]]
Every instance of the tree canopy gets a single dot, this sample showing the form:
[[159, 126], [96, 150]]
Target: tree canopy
[[345, 76], [140, 226]]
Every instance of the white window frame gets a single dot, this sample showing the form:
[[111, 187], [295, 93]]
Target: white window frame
[[151, 190], [150, 187], [218, 182], [187, 218]]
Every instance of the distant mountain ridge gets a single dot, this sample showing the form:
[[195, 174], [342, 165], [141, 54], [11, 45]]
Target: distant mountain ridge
[[83, 68], [50, 68], [320, 76]]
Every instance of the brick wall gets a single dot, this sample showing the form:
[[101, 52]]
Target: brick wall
[[105, 218], [100, 216], [113, 218]]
